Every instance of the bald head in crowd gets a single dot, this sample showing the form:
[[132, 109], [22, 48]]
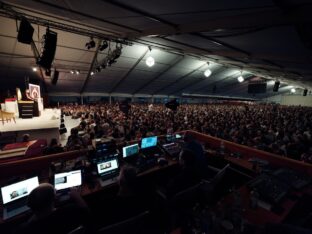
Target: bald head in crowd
[[41, 200]]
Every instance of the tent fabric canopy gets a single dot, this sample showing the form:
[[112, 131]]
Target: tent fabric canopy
[[266, 39]]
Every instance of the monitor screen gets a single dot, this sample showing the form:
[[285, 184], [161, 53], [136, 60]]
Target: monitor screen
[[130, 150], [149, 142], [67, 179], [178, 136], [103, 149], [107, 167], [18, 190]]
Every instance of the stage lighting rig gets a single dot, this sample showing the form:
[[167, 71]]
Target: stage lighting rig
[[90, 44], [112, 57], [103, 46]]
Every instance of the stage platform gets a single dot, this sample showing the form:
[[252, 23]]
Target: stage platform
[[45, 126]]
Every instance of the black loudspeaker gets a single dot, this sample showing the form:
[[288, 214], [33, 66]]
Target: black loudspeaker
[[276, 86], [305, 92], [48, 53], [25, 32], [55, 77]]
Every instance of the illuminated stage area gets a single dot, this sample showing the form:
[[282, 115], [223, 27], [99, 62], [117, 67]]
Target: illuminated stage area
[[45, 126]]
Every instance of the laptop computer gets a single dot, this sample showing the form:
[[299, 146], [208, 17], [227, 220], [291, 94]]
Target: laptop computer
[[130, 152], [149, 146], [108, 170], [14, 197], [103, 150], [173, 138], [64, 181]]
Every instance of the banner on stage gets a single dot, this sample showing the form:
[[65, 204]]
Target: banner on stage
[[34, 91]]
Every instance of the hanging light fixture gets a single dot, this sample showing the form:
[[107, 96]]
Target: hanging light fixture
[[208, 72], [104, 45], [150, 61], [240, 79], [90, 44]]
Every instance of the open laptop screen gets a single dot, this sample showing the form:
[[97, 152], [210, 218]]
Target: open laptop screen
[[148, 142], [107, 167], [18, 190], [130, 150], [67, 179]]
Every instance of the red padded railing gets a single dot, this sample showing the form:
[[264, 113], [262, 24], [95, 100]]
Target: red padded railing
[[248, 152]]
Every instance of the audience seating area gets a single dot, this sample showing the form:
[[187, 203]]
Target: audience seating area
[[162, 213]]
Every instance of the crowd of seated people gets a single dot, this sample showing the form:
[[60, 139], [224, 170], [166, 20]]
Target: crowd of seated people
[[131, 198], [283, 130]]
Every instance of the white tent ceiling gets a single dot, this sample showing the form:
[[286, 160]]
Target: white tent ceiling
[[260, 38]]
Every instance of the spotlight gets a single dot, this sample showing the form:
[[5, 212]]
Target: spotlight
[[207, 73], [90, 44], [293, 90], [240, 79], [77, 72], [92, 73], [150, 61], [116, 53], [72, 72], [34, 69], [103, 46]]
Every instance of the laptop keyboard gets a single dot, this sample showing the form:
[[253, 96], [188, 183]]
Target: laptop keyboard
[[152, 151], [16, 204], [107, 181], [15, 208]]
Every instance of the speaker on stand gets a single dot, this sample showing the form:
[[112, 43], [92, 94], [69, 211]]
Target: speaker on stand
[[305, 92], [25, 32], [55, 77], [276, 86]]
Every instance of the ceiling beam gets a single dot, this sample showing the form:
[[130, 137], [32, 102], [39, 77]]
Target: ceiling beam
[[86, 15], [214, 83], [218, 42], [10, 13], [221, 43], [128, 73], [37, 12], [180, 78], [224, 53], [263, 18], [235, 84], [159, 75], [140, 12], [91, 68], [220, 70]]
